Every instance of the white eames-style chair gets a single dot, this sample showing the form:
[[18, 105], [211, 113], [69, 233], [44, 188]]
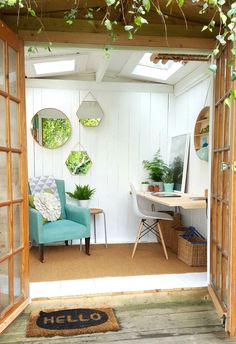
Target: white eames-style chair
[[144, 226]]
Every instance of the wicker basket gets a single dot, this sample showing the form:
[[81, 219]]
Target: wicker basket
[[176, 231], [192, 251], [167, 227]]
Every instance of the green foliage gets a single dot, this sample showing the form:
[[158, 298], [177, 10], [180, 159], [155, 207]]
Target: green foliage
[[81, 192], [137, 17], [177, 168], [156, 167], [55, 132], [78, 162], [93, 122], [168, 176]]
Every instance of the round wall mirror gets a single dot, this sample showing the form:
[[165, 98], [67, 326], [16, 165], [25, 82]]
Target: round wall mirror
[[50, 127]]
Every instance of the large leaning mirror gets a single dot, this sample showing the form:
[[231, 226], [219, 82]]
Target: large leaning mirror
[[50, 127]]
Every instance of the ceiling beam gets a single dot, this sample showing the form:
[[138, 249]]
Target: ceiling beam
[[102, 68], [101, 39], [85, 26]]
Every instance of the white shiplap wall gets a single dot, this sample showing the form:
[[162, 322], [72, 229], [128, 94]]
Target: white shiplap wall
[[187, 106], [134, 126]]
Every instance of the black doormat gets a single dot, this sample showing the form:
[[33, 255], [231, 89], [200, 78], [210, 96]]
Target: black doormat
[[67, 322]]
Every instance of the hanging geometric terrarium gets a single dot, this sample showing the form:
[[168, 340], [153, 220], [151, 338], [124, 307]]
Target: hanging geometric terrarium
[[78, 162], [90, 112]]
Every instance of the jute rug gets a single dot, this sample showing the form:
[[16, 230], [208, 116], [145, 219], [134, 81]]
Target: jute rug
[[67, 322]]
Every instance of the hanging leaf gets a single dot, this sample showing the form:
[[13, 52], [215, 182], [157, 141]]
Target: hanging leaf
[[227, 102], [128, 27], [213, 68], [216, 51], [221, 39], [108, 24], [110, 2], [233, 76], [147, 5]]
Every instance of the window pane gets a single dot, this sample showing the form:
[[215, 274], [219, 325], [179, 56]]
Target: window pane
[[4, 286], [14, 120], [4, 231], [17, 274], [3, 130], [17, 226], [16, 192], [2, 67], [12, 71], [4, 177]]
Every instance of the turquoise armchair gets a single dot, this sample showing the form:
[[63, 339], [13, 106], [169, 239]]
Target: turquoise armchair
[[74, 224]]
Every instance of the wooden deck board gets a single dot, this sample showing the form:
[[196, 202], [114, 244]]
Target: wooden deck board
[[177, 322]]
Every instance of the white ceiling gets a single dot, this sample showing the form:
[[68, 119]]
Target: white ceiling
[[100, 65]]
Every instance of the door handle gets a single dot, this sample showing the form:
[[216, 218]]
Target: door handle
[[224, 166]]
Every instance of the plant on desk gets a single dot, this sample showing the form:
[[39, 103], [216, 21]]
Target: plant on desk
[[156, 168], [82, 193], [168, 179]]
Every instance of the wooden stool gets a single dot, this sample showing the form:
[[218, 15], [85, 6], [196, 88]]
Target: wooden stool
[[94, 212]]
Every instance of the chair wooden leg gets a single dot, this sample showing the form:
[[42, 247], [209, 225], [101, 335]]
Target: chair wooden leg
[[66, 242], [137, 237], [87, 246], [41, 253], [162, 240]]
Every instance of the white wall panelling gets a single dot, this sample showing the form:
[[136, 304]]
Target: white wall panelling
[[138, 120], [134, 126]]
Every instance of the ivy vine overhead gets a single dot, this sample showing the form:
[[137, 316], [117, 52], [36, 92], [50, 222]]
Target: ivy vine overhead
[[197, 24], [152, 23]]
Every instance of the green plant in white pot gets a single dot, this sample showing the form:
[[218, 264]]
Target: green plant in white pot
[[82, 193], [168, 179]]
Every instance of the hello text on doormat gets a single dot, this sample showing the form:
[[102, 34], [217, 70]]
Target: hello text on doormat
[[66, 322]]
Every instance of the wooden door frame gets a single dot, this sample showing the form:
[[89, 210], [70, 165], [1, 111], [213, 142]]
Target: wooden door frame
[[8, 36]]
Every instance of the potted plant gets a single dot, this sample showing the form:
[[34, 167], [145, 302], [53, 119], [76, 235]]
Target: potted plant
[[156, 168], [83, 194], [144, 186], [168, 179]]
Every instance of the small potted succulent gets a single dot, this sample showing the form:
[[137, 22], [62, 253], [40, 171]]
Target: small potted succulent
[[82, 194], [168, 179]]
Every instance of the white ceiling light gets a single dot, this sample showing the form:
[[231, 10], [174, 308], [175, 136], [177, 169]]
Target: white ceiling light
[[54, 67], [160, 70]]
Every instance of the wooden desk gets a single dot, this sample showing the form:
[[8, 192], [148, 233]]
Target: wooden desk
[[184, 201]]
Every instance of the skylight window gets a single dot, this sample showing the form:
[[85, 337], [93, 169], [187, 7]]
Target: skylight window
[[160, 70], [54, 67]]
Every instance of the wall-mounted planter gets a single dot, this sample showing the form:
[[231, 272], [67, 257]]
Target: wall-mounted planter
[[78, 162], [90, 112]]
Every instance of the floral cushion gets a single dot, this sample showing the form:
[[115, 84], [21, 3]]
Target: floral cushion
[[47, 204]]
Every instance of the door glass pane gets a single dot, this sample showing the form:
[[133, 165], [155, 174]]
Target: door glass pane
[[2, 66], [4, 286], [16, 192], [3, 136], [4, 232], [14, 121], [12, 71], [4, 177], [17, 274], [17, 216]]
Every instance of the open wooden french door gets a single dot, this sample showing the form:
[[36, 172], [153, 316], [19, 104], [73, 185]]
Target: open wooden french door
[[223, 198], [14, 249]]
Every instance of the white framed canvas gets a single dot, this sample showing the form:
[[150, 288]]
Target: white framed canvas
[[178, 160]]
